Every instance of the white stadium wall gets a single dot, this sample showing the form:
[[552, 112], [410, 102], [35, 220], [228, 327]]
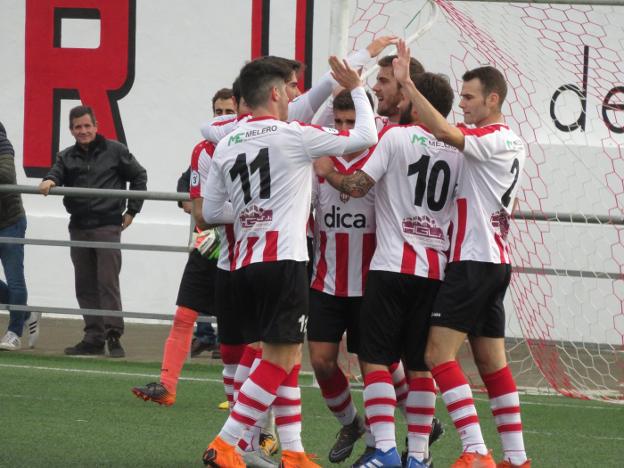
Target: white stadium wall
[[184, 51]]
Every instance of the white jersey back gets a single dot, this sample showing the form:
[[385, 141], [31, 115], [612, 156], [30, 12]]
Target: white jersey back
[[493, 165], [415, 177], [265, 169], [344, 232]]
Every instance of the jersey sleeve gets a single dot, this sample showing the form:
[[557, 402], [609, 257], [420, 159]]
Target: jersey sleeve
[[379, 159], [321, 141], [214, 130], [304, 107], [216, 208], [483, 143], [203, 169]]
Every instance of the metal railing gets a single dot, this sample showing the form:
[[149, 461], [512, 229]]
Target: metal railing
[[562, 217]]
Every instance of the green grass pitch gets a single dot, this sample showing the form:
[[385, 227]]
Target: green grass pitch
[[72, 412]]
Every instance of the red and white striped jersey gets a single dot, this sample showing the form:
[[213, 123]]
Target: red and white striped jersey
[[493, 164], [201, 166], [344, 232], [265, 169], [415, 177], [205, 148]]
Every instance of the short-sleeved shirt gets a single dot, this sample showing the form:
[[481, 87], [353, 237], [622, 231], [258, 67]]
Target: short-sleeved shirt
[[492, 169], [344, 230], [200, 168], [415, 177], [264, 168]]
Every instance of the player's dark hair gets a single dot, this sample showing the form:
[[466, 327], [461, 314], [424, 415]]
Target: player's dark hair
[[78, 112], [294, 65], [343, 101], [436, 88], [492, 81], [223, 93], [236, 91], [259, 76], [415, 67]]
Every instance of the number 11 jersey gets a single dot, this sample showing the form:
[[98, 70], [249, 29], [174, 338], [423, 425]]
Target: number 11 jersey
[[265, 168]]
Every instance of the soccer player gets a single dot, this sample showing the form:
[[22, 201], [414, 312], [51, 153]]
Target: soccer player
[[195, 296], [388, 92], [265, 169], [238, 355], [470, 301], [223, 103], [344, 230], [414, 177]]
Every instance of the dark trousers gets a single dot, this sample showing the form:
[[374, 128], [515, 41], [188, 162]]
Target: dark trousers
[[97, 281]]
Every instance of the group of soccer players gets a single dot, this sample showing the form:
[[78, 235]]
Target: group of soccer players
[[409, 227]]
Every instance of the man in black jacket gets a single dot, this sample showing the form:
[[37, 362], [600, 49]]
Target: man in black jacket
[[96, 162], [12, 224]]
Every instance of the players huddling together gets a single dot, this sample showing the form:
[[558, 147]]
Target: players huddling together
[[409, 216]]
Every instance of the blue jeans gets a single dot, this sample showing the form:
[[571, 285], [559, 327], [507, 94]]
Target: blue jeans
[[14, 290]]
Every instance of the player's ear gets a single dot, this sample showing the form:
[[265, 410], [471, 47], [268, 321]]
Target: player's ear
[[275, 94], [493, 100]]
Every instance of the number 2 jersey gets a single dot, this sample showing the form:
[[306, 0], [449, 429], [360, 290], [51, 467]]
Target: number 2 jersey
[[265, 168], [344, 232], [415, 177], [494, 158]]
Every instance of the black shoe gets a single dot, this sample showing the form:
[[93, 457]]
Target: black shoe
[[437, 430], [85, 349], [198, 347], [115, 350], [345, 440]]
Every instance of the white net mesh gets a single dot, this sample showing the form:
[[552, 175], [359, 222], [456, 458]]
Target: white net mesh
[[565, 313]]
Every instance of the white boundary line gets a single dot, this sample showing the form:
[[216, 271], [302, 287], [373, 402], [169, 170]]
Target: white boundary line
[[219, 381]]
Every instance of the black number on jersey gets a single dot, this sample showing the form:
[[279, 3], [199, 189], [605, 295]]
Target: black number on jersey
[[422, 185], [261, 164], [515, 170]]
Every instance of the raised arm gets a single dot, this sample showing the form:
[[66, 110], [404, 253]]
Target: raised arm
[[428, 115], [305, 106]]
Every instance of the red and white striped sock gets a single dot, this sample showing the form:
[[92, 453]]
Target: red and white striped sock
[[337, 394], [380, 403], [401, 387], [243, 369], [287, 409], [505, 404], [420, 406], [231, 356], [256, 395], [457, 397], [251, 436]]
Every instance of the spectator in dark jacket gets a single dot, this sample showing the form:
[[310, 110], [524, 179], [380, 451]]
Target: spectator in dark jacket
[[12, 224], [96, 162]]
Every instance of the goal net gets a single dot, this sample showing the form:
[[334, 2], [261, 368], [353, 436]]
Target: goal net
[[565, 70]]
